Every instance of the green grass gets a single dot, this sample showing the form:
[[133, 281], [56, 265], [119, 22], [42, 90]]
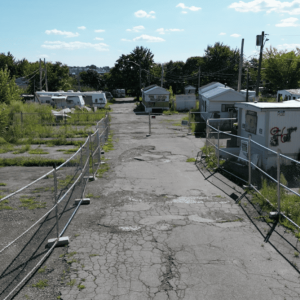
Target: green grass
[[23, 149], [92, 255], [68, 151], [41, 284], [108, 146], [42, 270], [169, 112], [211, 158], [2, 184], [69, 179], [290, 203], [71, 282], [191, 160], [4, 206], [102, 169], [29, 162], [37, 151], [81, 286], [4, 148], [30, 203]]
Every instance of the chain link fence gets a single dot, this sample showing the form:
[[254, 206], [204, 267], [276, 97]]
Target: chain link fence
[[42, 210], [273, 178]]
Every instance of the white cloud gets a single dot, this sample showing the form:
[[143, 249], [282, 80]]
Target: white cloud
[[291, 8], [81, 27], [99, 30], [222, 33], [184, 12], [289, 22], [74, 45], [98, 39], [136, 28], [192, 8], [288, 46], [59, 32], [163, 31], [125, 40], [148, 38], [236, 35], [143, 14]]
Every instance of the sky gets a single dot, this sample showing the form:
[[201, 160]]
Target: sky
[[81, 33]]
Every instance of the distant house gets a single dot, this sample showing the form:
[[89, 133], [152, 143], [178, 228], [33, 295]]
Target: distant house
[[219, 103], [210, 86], [251, 95], [288, 94], [155, 98], [189, 89]]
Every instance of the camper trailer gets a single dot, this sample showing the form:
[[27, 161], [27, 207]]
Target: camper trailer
[[95, 99], [63, 101]]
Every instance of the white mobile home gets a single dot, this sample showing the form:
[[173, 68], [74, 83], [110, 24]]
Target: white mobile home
[[189, 90], [251, 95], [205, 88], [185, 102], [219, 103], [272, 125], [288, 94], [95, 99], [155, 99]]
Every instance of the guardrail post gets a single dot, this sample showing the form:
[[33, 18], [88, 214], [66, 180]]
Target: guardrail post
[[91, 156], [99, 145], [55, 199], [207, 132], [249, 161], [218, 146], [278, 181]]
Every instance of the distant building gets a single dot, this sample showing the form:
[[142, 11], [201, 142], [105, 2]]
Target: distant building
[[288, 94], [189, 89], [76, 70], [155, 99], [209, 86]]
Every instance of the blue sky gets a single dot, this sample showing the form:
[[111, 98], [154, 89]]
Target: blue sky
[[80, 33]]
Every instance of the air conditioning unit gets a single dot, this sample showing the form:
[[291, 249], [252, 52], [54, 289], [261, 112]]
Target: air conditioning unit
[[259, 40]]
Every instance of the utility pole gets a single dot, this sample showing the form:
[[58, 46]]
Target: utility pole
[[140, 91], [247, 95], [40, 76], [162, 74], [259, 64], [46, 79], [199, 76], [241, 66]]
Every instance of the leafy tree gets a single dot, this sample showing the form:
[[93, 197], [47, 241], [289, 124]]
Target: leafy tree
[[281, 69], [220, 63], [126, 74], [9, 91], [8, 61], [91, 78], [174, 72]]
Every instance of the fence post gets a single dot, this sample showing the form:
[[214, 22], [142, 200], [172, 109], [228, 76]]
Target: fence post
[[99, 145], [278, 181], [55, 199], [149, 125], [189, 127], [207, 132], [91, 153], [218, 146], [249, 161]]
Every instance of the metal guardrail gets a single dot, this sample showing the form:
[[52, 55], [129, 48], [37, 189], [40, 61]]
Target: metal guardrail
[[20, 253]]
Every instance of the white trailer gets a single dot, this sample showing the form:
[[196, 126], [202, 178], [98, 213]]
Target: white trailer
[[95, 99], [185, 102], [68, 101]]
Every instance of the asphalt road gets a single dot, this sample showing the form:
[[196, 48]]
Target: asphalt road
[[157, 229]]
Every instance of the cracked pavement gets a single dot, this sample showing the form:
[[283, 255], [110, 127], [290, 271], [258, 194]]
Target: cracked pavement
[[161, 231]]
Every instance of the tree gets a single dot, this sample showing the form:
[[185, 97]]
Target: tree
[[9, 91], [92, 79], [220, 63], [174, 72], [281, 69], [126, 72]]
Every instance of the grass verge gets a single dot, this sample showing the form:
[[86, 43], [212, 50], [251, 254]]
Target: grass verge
[[29, 162]]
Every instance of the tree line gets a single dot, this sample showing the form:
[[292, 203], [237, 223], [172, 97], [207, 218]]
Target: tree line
[[280, 70]]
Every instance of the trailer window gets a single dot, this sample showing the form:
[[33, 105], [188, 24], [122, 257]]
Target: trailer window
[[227, 107], [251, 121]]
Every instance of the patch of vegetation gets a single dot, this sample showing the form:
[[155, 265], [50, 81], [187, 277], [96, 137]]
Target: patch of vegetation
[[71, 254], [296, 254], [42, 270], [68, 180], [37, 151], [2, 184], [108, 146], [30, 203], [76, 234], [4, 206], [4, 148], [92, 255], [211, 157], [41, 284], [68, 151], [29, 162], [71, 282], [23, 149], [71, 261], [81, 286], [102, 169], [191, 160], [170, 112], [290, 203]]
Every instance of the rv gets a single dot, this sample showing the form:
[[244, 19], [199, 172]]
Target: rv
[[95, 99], [62, 101]]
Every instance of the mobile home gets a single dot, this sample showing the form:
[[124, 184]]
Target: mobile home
[[155, 98]]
